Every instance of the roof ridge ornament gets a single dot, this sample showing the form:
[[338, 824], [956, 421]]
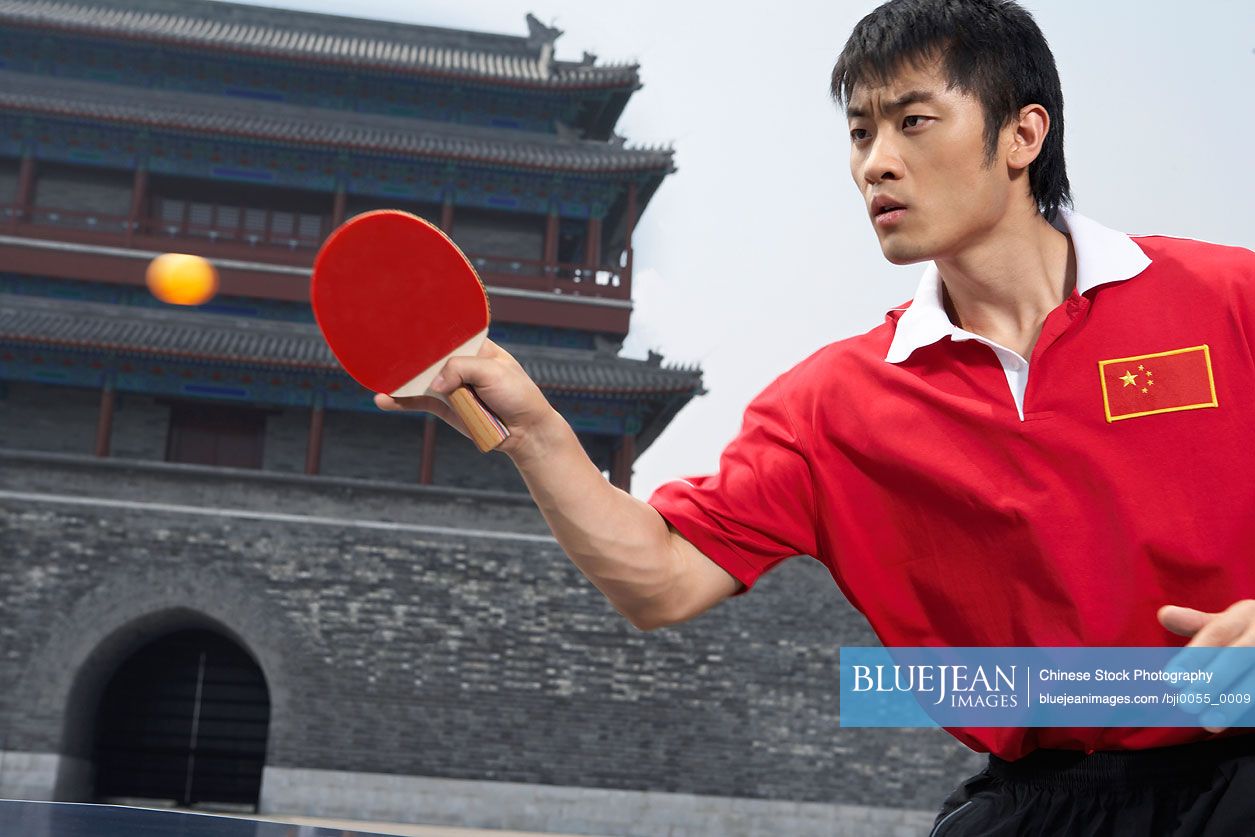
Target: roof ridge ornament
[[538, 33], [541, 37]]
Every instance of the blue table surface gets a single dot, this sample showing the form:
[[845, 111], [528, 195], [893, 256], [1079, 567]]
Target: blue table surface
[[65, 819]]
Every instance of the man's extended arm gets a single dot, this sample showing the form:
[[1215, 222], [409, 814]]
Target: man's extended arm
[[648, 571]]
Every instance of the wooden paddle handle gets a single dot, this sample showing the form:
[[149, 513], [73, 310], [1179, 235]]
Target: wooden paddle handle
[[487, 431]]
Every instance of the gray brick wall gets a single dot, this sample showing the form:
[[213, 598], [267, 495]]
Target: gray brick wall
[[287, 436], [386, 446], [553, 809], [140, 426], [62, 419], [374, 446], [49, 418], [371, 446], [459, 463], [440, 655], [9, 168]]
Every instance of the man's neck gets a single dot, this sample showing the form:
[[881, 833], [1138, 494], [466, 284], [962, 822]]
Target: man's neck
[[1003, 286]]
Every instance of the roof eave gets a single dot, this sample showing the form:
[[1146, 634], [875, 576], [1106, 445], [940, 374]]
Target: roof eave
[[615, 78], [660, 166]]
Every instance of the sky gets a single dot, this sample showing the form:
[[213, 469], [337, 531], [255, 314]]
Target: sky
[[758, 251]]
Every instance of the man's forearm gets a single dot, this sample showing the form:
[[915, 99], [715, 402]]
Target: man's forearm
[[620, 543]]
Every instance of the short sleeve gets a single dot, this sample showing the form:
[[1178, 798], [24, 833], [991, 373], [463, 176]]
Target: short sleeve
[[759, 508]]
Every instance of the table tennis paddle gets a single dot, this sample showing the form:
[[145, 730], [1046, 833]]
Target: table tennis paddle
[[396, 299]]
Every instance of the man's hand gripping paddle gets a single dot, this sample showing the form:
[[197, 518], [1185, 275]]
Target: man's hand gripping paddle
[[395, 299]]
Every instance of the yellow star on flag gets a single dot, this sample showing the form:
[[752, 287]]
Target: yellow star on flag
[[1129, 379]]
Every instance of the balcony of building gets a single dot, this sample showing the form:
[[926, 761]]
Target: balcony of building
[[273, 233]]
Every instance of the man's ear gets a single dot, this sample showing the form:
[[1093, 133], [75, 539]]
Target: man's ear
[[1026, 135]]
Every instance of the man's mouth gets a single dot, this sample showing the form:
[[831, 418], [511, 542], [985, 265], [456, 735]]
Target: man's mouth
[[889, 214], [886, 209], [885, 203]]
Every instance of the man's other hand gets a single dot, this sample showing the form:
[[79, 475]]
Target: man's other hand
[[1232, 627]]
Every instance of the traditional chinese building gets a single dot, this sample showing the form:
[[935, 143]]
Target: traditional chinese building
[[245, 135], [227, 580]]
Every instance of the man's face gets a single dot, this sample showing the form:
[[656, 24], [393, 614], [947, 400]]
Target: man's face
[[920, 147]]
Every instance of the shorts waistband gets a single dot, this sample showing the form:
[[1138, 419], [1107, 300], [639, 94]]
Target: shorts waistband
[[1075, 769]]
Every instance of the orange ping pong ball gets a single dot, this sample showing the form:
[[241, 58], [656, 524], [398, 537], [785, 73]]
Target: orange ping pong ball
[[182, 279]]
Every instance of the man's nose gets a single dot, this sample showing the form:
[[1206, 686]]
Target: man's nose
[[883, 161]]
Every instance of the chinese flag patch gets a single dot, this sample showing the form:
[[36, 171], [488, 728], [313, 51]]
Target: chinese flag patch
[[1160, 383]]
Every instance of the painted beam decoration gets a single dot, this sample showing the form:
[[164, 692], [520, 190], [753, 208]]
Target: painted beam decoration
[[475, 184]]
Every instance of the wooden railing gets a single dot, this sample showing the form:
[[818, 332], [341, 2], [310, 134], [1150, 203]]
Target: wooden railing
[[558, 278], [287, 247], [14, 215]]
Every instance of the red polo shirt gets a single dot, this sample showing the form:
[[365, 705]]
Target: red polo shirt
[[963, 496]]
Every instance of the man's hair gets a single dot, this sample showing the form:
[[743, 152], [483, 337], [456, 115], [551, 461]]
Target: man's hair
[[990, 49]]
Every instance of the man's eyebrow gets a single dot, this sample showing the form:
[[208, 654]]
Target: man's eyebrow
[[911, 97]]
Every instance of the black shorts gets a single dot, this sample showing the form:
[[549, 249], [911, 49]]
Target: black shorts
[[1193, 790]]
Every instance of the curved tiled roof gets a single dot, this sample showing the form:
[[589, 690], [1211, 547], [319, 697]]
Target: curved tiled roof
[[198, 336], [205, 114], [327, 39]]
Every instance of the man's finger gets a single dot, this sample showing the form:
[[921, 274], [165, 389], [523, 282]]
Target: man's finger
[[414, 402], [426, 404], [1237, 712], [1230, 667], [1224, 628], [466, 371], [1184, 621], [1220, 631], [491, 349]]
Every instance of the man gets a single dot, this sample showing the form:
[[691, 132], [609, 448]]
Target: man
[[1047, 446]]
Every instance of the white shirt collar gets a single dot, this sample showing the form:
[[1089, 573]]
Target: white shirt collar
[[1102, 256]]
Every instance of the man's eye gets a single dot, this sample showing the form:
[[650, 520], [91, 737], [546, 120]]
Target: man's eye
[[857, 134], [908, 123]]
